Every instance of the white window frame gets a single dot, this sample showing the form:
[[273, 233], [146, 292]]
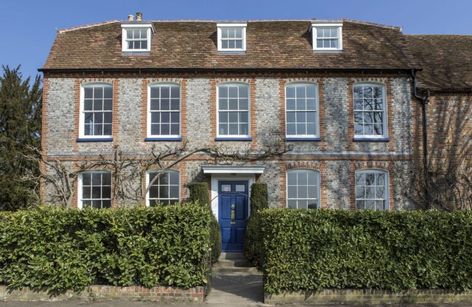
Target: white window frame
[[82, 112], [385, 113], [220, 26], [160, 136], [233, 136], [126, 27], [148, 175], [318, 192], [314, 31], [386, 186], [81, 192], [317, 112]]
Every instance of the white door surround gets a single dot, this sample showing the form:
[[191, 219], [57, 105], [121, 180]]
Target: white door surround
[[230, 173]]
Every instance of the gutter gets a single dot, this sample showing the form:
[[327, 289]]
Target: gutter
[[220, 69], [424, 104]]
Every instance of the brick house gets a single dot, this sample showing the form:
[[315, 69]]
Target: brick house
[[339, 93]]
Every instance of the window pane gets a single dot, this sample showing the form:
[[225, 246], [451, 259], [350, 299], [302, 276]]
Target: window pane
[[303, 188], [369, 99], [164, 99], [304, 100], [371, 187], [292, 204]]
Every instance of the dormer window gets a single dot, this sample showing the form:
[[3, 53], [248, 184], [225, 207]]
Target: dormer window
[[231, 37], [327, 36], [136, 37]]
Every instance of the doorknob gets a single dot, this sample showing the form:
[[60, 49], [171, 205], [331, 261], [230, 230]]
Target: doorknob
[[233, 214]]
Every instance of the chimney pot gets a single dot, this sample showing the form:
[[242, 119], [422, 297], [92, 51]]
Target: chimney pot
[[130, 18], [139, 16]]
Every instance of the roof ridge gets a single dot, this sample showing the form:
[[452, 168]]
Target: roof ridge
[[441, 35], [91, 25], [232, 20], [369, 23]]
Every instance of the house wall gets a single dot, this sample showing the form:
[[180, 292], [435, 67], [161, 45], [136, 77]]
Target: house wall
[[336, 155]]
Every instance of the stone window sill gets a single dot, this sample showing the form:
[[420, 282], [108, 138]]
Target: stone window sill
[[235, 139], [159, 139], [94, 140], [371, 140], [295, 139]]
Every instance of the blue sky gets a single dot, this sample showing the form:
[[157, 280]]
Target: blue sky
[[28, 27]]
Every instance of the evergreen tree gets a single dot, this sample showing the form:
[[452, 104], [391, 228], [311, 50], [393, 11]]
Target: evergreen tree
[[20, 124]]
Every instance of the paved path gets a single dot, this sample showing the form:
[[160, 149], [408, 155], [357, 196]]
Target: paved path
[[234, 282]]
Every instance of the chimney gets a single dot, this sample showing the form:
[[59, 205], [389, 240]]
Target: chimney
[[139, 16], [130, 18]]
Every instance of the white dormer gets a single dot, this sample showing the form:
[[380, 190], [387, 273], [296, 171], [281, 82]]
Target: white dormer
[[231, 37], [327, 36], [136, 35]]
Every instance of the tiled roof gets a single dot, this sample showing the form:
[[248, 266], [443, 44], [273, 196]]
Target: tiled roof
[[446, 61], [192, 44]]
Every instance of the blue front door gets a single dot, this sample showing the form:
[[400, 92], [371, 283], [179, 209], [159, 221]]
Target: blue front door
[[233, 214]]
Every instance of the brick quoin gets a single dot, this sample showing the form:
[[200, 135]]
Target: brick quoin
[[390, 115], [183, 110], [213, 102], [144, 99], [116, 112], [44, 134], [76, 133], [252, 112], [282, 83]]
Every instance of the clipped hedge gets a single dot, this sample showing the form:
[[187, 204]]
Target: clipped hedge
[[252, 240], [64, 249], [309, 250], [199, 194]]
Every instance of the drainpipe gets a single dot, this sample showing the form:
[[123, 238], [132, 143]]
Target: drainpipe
[[424, 102]]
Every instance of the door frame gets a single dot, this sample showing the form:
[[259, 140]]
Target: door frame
[[215, 181], [220, 206]]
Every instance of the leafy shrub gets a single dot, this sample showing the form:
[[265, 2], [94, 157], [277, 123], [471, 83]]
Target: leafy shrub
[[309, 250], [63, 249], [199, 194], [252, 240], [259, 197]]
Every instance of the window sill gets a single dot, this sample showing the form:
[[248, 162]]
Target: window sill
[[327, 50], [232, 52], [91, 140], [135, 53], [160, 139], [295, 139], [372, 140], [233, 139]]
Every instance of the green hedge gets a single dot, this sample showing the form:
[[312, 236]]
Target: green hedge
[[309, 250], [63, 249], [252, 240], [199, 194]]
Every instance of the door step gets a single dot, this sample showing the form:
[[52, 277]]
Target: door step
[[230, 260]]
